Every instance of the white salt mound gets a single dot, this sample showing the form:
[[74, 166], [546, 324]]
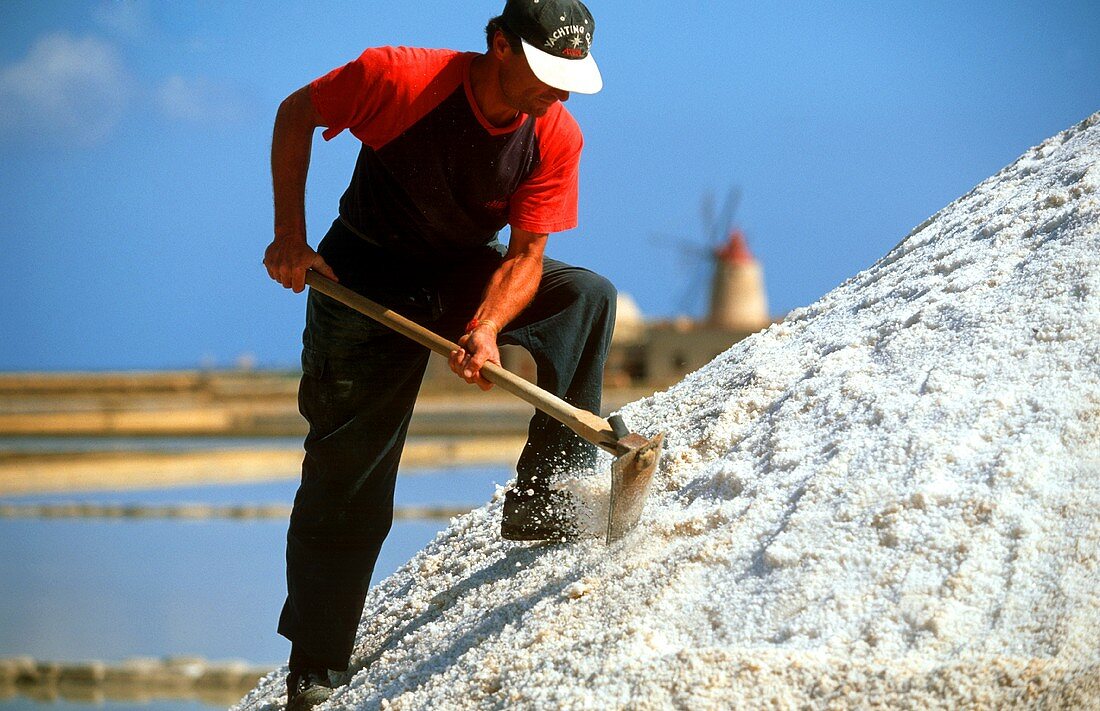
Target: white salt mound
[[892, 497]]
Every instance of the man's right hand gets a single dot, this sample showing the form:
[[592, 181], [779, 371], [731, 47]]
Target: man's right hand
[[288, 258]]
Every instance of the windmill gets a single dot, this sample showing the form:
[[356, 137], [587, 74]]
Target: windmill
[[736, 296]]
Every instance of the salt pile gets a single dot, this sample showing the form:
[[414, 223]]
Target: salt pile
[[892, 497]]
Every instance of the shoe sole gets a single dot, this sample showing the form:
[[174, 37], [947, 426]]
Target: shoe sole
[[308, 699]]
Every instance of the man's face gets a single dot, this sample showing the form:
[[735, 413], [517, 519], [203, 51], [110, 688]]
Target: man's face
[[522, 89]]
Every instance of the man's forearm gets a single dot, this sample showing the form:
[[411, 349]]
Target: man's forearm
[[513, 285], [510, 290], [291, 144], [289, 255]]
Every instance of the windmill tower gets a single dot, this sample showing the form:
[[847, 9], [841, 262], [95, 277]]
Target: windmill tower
[[737, 298], [723, 270]]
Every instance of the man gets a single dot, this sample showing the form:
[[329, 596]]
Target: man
[[455, 147]]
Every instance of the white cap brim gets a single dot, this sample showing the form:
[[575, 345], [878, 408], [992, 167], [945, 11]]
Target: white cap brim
[[576, 75]]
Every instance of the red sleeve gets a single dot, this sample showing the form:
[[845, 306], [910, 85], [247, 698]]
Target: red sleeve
[[547, 200], [385, 90]]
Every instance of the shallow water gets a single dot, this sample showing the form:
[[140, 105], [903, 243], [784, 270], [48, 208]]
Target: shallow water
[[82, 589], [24, 704]]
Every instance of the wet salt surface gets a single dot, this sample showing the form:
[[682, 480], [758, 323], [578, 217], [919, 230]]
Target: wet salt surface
[[892, 497], [52, 444]]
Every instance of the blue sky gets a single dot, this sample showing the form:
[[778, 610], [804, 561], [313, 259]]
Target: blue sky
[[134, 136]]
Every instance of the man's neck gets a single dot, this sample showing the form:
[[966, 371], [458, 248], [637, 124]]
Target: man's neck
[[485, 84]]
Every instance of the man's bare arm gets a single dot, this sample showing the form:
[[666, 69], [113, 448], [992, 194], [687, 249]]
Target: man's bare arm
[[511, 288], [289, 255]]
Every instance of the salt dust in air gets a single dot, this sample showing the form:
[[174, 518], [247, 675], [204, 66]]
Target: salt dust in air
[[891, 497]]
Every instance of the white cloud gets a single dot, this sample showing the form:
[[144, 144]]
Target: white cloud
[[201, 100], [128, 19], [66, 88], [74, 91]]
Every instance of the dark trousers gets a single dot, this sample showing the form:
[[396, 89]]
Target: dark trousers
[[359, 384]]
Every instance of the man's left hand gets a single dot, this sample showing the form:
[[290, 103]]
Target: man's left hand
[[476, 348]]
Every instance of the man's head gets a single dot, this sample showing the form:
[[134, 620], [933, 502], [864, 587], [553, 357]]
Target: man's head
[[555, 37]]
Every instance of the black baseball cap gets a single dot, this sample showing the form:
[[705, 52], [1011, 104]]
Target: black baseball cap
[[557, 37]]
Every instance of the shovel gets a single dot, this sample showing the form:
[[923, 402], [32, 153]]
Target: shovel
[[635, 456]]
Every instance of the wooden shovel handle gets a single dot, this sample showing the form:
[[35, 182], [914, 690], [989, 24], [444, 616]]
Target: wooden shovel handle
[[591, 427]]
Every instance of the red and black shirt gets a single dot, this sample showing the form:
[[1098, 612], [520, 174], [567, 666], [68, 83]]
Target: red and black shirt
[[433, 175]]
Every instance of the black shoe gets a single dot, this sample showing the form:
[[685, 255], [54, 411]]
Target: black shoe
[[306, 689], [541, 516]]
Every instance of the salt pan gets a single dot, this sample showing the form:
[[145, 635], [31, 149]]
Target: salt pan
[[891, 497]]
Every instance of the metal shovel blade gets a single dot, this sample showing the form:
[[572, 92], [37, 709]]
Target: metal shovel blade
[[631, 476]]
